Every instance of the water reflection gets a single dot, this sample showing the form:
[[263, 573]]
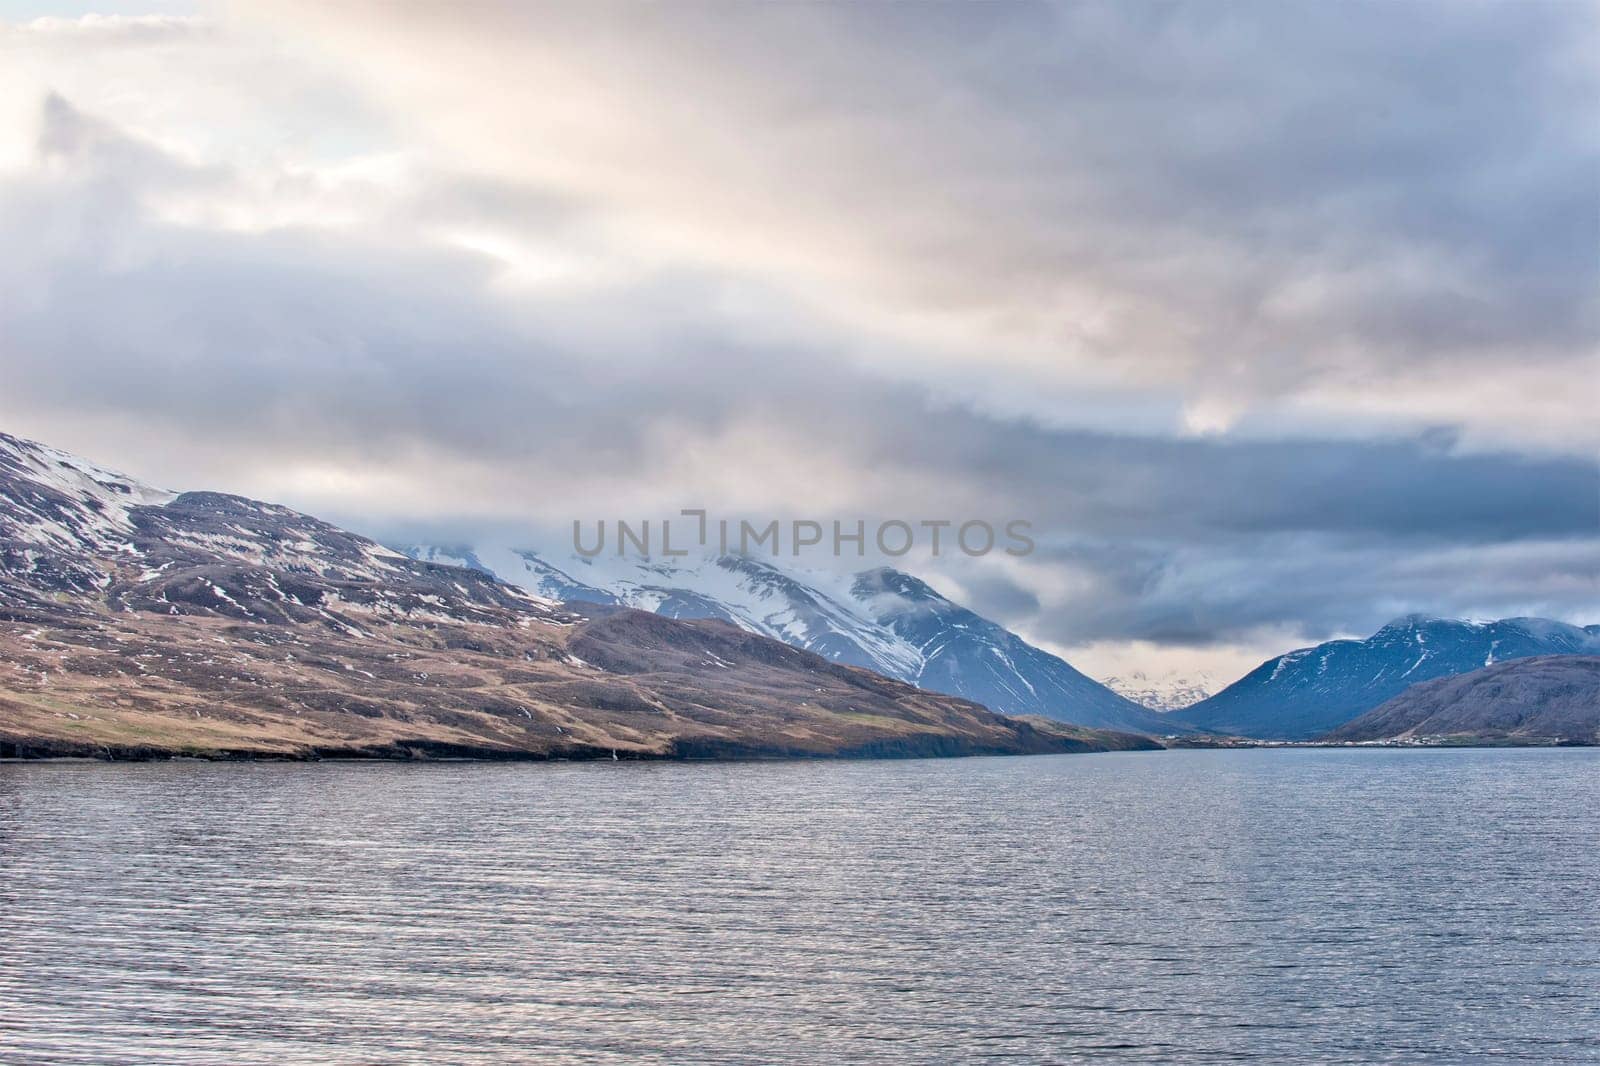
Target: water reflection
[[1282, 906]]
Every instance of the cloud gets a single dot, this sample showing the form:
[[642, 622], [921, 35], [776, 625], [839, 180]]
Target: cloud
[[1245, 207], [1273, 320], [1317, 586], [345, 344]]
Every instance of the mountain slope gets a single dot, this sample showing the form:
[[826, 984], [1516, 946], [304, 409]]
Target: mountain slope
[[1545, 699], [1307, 692], [883, 620], [748, 592], [136, 621], [965, 654]]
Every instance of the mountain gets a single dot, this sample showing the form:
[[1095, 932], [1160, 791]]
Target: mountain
[[965, 654], [883, 620], [742, 590], [136, 621], [1547, 699], [1305, 693], [1170, 692]]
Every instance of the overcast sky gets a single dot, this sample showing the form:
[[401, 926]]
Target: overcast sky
[[1276, 319]]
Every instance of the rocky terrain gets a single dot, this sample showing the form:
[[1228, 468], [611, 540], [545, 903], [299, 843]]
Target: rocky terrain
[[1548, 699], [137, 622]]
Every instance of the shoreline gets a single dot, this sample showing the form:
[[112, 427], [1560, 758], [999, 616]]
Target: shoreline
[[638, 757]]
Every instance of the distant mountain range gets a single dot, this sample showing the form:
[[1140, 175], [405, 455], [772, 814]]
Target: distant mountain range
[[1163, 692], [1552, 699], [1306, 693], [881, 619], [135, 621]]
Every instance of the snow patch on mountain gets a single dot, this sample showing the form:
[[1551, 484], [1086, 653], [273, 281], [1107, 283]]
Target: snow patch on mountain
[[63, 502]]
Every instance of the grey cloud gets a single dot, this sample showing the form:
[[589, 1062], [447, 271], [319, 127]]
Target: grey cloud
[[1265, 199], [1292, 190], [350, 343], [1180, 594]]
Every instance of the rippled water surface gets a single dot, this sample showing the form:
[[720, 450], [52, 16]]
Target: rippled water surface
[[1278, 906]]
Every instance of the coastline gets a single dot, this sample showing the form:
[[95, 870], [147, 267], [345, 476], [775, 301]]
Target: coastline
[[419, 753]]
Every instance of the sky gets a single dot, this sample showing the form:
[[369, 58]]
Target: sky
[[1276, 320]]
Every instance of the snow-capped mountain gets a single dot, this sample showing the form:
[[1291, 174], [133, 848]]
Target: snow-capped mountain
[[138, 622], [70, 528], [884, 620], [1307, 692], [750, 593], [967, 655], [1170, 692], [57, 511]]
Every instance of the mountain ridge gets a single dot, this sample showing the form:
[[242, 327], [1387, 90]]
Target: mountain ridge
[[881, 618], [136, 621], [1307, 692]]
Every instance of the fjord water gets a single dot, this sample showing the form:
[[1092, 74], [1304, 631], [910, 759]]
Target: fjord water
[[1271, 905]]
